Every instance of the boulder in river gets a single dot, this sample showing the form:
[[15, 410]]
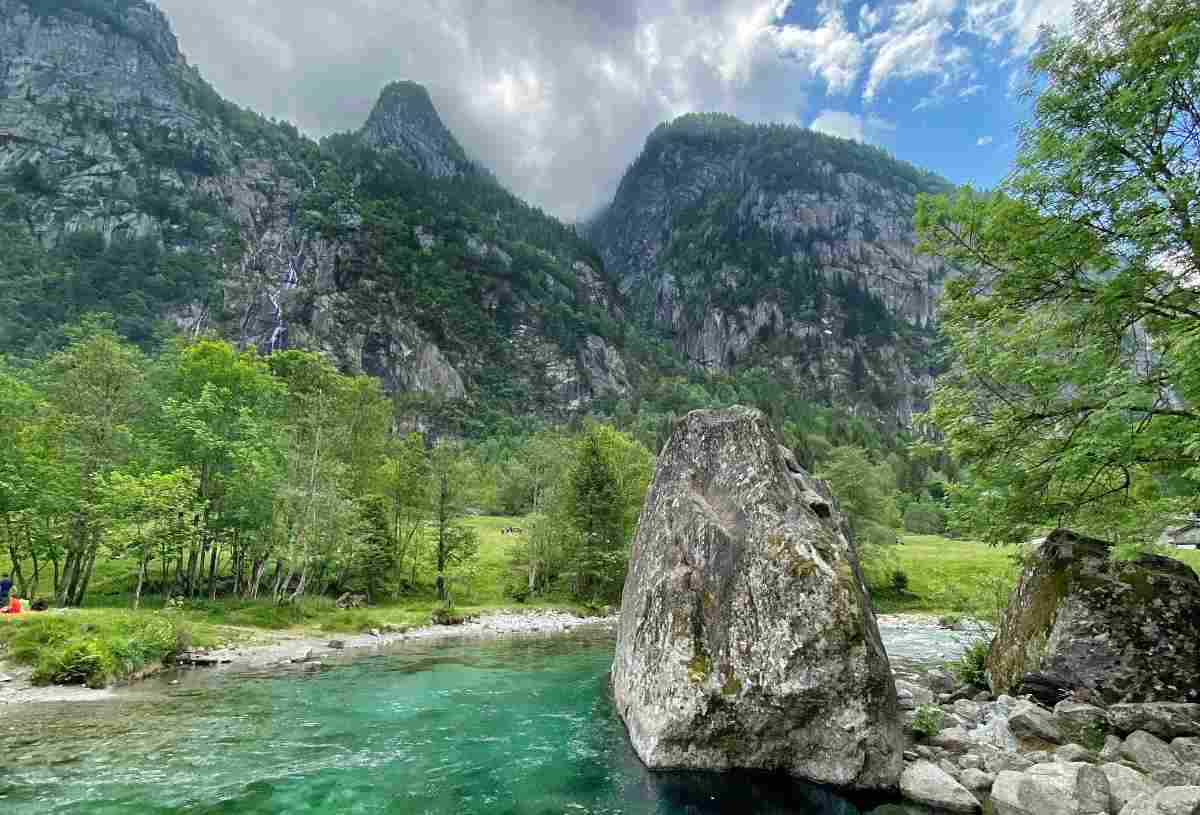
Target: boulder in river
[[746, 638], [1052, 789], [1124, 631]]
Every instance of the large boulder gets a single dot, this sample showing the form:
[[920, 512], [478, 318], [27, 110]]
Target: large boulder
[[1052, 789], [746, 638], [926, 783], [1171, 801], [1125, 631], [1164, 719]]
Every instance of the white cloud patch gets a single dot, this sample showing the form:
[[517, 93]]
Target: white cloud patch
[[558, 97], [840, 123], [983, 141], [970, 90], [1015, 24]]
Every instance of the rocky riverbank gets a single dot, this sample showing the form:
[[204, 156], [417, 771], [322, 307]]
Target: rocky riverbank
[[1025, 759], [269, 650]]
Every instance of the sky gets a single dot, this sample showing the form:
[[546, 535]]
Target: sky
[[557, 96]]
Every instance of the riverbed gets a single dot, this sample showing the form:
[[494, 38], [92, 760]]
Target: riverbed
[[520, 725]]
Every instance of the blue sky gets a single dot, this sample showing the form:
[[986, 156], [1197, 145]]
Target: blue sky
[[949, 99], [558, 96]]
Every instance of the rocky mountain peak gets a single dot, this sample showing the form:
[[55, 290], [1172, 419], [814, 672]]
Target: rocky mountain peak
[[404, 121]]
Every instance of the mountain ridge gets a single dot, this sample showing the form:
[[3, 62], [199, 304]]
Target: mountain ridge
[[394, 253]]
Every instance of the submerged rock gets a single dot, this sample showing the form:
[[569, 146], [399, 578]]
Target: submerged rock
[[746, 639], [1078, 619]]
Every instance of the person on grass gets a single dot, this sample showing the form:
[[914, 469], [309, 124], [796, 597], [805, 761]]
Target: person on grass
[[5, 590]]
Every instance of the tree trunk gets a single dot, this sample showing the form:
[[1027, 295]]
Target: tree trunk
[[137, 595], [16, 566], [212, 572], [66, 585]]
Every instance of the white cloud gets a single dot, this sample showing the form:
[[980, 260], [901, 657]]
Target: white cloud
[[557, 98], [916, 43], [983, 141], [875, 122], [1015, 23], [868, 18], [840, 123], [970, 90]]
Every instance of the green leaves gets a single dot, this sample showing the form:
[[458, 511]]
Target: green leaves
[[1073, 325]]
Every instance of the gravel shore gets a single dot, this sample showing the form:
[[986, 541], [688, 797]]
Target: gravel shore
[[282, 648]]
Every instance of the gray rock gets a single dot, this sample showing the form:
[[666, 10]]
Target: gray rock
[[337, 644], [949, 768], [940, 681], [912, 695], [970, 762], [1112, 749], [746, 638], [1166, 720], [954, 739], [928, 784], [1074, 752], [1154, 756], [971, 711], [1039, 756], [1074, 717], [1182, 800], [1187, 750], [1028, 721], [1125, 784], [976, 780], [1052, 789], [1078, 619]]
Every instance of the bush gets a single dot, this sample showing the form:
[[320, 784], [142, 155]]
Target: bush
[[928, 721], [900, 581], [93, 649], [970, 667]]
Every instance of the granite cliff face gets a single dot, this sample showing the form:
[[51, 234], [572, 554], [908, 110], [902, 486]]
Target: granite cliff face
[[752, 245], [105, 128], [404, 121]]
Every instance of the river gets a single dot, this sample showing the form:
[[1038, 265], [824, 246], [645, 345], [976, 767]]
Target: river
[[517, 726]]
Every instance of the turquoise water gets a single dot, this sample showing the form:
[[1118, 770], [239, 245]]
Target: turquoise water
[[511, 727]]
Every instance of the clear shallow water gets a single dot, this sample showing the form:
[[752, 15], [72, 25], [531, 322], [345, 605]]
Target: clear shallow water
[[511, 727]]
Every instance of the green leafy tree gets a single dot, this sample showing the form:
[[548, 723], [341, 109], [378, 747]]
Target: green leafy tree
[[1074, 326], [454, 544]]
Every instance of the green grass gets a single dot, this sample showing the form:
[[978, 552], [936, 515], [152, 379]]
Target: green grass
[[95, 647], [962, 577]]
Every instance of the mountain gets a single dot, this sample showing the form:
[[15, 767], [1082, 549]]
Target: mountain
[[128, 185], [405, 121], [755, 245]]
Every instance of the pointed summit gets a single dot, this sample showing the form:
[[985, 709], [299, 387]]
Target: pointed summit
[[404, 121]]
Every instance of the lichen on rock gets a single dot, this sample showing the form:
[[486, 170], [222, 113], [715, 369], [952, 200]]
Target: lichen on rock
[[746, 637], [1123, 631]]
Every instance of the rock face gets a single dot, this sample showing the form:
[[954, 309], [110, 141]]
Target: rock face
[[746, 639], [404, 121], [766, 245], [105, 128], [1124, 631]]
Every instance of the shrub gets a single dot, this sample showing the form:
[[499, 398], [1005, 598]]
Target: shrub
[[970, 667], [928, 721], [900, 581]]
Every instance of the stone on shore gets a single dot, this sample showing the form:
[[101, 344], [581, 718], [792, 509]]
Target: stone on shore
[[926, 783], [1171, 801], [1125, 784], [1126, 631], [746, 639], [1155, 757], [1052, 789], [1167, 720], [1028, 721]]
